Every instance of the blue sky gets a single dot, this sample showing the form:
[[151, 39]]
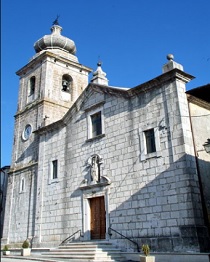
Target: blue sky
[[131, 37]]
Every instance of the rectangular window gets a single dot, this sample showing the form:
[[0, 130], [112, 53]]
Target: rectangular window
[[22, 185], [96, 124], [95, 121], [54, 169], [150, 141]]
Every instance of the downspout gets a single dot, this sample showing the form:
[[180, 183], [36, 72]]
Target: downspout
[[204, 208]]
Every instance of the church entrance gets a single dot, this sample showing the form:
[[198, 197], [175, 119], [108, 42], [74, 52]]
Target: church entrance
[[97, 218]]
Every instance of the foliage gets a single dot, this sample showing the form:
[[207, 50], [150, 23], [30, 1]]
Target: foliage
[[145, 249], [25, 244], [6, 248]]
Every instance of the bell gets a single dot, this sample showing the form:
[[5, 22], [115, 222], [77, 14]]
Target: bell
[[65, 85]]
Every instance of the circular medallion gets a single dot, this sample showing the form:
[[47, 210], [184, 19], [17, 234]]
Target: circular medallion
[[27, 132]]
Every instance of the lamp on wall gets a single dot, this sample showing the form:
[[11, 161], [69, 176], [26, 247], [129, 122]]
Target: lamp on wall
[[207, 146]]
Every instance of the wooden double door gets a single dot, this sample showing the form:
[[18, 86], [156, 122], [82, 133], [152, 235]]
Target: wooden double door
[[97, 218]]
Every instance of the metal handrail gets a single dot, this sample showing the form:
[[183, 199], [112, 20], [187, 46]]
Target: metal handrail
[[138, 249], [65, 240]]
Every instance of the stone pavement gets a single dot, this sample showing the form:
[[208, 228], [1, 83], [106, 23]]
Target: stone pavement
[[167, 257], [33, 258], [26, 259], [36, 258], [9, 259]]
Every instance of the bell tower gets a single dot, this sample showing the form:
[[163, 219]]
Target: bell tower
[[49, 85]]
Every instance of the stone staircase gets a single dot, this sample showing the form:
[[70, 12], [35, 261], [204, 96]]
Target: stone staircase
[[93, 251]]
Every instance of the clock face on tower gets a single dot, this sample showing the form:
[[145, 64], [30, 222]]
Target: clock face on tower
[[27, 132]]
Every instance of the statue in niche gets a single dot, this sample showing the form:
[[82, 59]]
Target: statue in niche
[[94, 175], [95, 162]]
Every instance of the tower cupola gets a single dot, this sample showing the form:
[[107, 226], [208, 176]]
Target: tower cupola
[[55, 41]]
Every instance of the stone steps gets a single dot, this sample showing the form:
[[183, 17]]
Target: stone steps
[[86, 251]]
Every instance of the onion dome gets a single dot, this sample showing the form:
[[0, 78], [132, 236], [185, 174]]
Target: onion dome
[[55, 41]]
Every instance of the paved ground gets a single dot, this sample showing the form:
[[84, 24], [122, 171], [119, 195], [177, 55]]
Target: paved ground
[[8, 259], [11, 260], [33, 259], [24, 259]]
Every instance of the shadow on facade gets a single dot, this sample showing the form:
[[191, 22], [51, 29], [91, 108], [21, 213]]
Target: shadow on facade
[[3, 194], [166, 212], [30, 152]]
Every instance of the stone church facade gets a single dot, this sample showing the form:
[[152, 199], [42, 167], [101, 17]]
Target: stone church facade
[[100, 161]]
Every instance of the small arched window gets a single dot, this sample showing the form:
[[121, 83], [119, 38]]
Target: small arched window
[[31, 89], [32, 83], [66, 83]]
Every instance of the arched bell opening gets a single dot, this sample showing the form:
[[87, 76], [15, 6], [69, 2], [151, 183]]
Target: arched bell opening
[[66, 83]]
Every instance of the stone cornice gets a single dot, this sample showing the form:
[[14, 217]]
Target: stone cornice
[[109, 90], [20, 168], [160, 81], [50, 127], [35, 104], [197, 101], [145, 87], [43, 56]]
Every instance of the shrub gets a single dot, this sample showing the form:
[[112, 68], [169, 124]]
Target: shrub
[[25, 244], [6, 248], [145, 249]]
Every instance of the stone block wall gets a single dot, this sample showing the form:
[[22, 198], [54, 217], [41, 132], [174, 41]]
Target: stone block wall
[[201, 130], [25, 151], [20, 206], [150, 199], [51, 206]]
